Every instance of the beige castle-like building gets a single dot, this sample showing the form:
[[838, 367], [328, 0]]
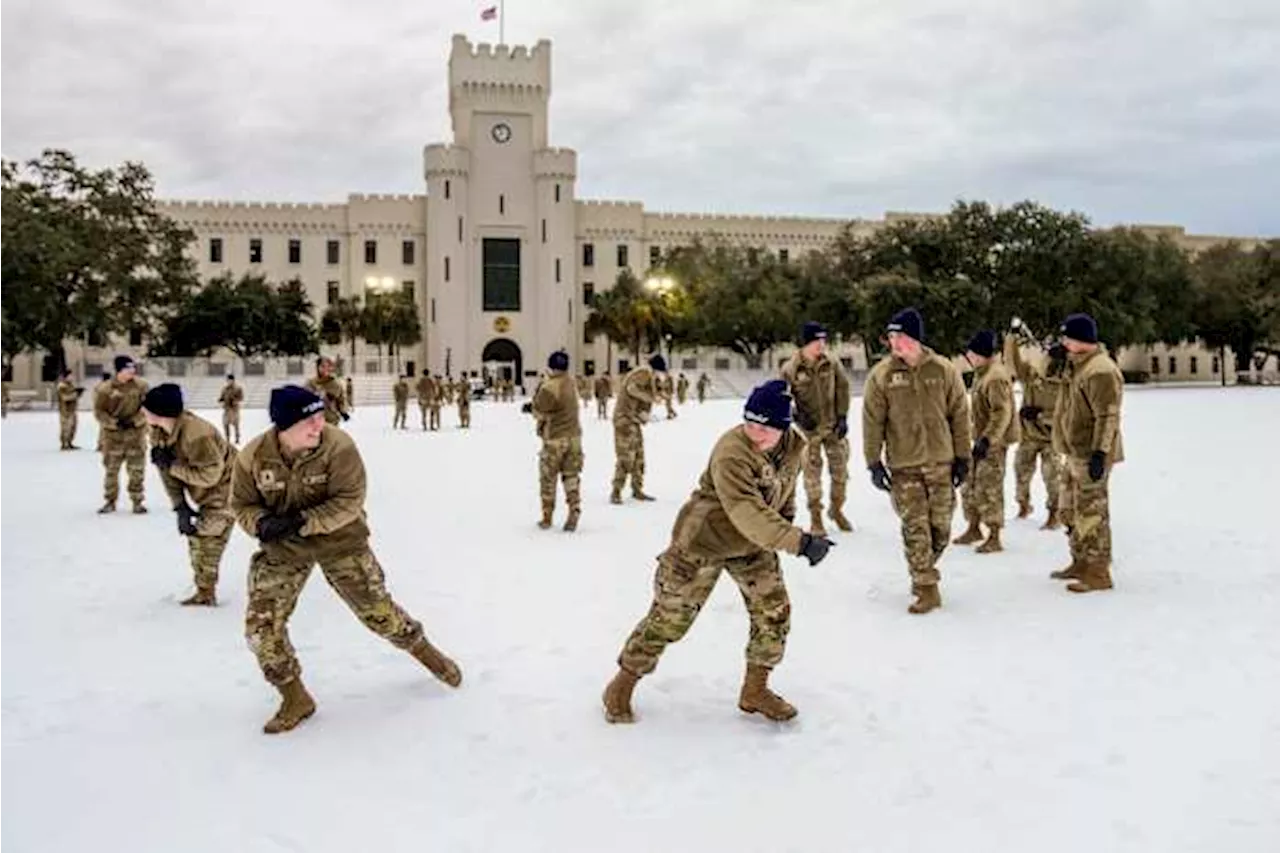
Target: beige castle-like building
[[499, 253]]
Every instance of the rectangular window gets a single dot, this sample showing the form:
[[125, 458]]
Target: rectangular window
[[569, 303], [557, 270], [1173, 364], [446, 267], [215, 250], [722, 364], [406, 253], [1216, 365], [557, 193], [588, 294], [588, 254], [784, 255], [433, 309], [332, 293], [407, 287], [255, 251], [135, 337], [332, 251], [1155, 365], [622, 255], [459, 229], [689, 364], [370, 251], [446, 188], [589, 368], [587, 337], [502, 204], [500, 258], [623, 366], [544, 230], [655, 255], [1195, 364], [295, 251]]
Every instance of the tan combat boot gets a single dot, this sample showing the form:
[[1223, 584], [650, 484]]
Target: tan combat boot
[[433, 659], [1093, 578], [1071, 572], [973, 534], [992, 545], [615, 497], [1024, 509], [838, 516], [202, 598], [109, 506], [545, 521], [639, 495], [816, 527], [757, 698], [571, 523], [296, 707], [1053, 522], [617, 697], [927, 598], [139, 508]]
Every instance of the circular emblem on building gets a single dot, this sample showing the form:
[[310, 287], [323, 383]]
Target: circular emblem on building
[[502, 325], [501, 133]]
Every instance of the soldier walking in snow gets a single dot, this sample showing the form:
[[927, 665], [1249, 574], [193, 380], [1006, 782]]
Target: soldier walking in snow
[[630, 414], [117, 404], [737, 520], [1041, 386], [400, 396], [914, 411], [555, 408], [603, 391], [231, 397], [325, 384], [194, 460], [1086, 428], [68, 396], [299, 489]]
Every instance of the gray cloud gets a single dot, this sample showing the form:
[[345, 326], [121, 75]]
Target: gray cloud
[[1128, 111]]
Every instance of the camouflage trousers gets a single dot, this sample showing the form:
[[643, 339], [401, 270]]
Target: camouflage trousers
[[602, 408], [67, 428], [682, 585], [1085, 507], [400, 419], [925, 501], [231, 421], [682, 396], [837, 450], [1024, 468], [560, 457], [628, 450], [671, 412], [983, 493], [127, 449], [213, 530], [430, 416], [274, 587], [464, 416]]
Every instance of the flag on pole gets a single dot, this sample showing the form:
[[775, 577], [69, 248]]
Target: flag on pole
[[489, 14]]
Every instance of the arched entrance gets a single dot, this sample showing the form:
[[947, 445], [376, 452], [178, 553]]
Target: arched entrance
[[502, 357]]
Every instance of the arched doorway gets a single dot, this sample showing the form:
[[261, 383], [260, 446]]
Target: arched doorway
[[502, 357]]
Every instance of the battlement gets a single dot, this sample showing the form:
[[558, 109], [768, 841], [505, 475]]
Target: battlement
[[441, 159], [745, 219], [487, 64], [242, 206], [369, 198], [561, 163]]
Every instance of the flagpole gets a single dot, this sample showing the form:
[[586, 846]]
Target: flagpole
[[502, 21]]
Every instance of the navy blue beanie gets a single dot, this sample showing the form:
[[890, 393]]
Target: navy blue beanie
[[909, 322], [123, 361], [769, 405], [983, 343], [559, 360], [164, 401], [292, 403], [1080, 327], [658, 363], [812, 331]]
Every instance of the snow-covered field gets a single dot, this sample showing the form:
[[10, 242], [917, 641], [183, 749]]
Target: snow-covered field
[[1018, 718]]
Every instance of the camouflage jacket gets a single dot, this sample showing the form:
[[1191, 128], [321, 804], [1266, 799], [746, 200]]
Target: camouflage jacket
[[428, 391], [555, 406], [992, 407], [1088, 414], [232, 396], [635, 397], [462, 394], [400, 392], [116, 400], [604, 388], [334, 394], [915, 415], [744, 502], [68, 396], [205, 460], [326, 484], [820, 389], [1039, 389]]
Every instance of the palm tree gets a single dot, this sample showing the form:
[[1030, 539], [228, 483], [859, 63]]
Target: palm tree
[[343, 321]]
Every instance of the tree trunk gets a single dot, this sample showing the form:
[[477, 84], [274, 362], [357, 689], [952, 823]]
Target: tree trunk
[[1222, 364], [353, 352]]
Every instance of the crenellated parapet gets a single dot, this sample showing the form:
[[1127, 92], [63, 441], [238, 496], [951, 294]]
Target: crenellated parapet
[[618, 220], [559, 164], [207, 216], [517, 67], [445, 161]]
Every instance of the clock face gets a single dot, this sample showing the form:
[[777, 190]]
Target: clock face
[[501, 133]]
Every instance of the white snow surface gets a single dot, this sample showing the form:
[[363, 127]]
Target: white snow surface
[[1019, 717]]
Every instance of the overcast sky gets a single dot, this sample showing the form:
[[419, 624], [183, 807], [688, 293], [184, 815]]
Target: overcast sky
[[1131, 111]]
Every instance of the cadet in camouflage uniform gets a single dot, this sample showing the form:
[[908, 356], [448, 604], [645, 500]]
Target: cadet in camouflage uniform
[[584, 390], [704, 382], [995, 428], [630, 414], [1086, 428], [429, 391], [351, 394], [68, 397], [193, 459], [738, 518], [603, 390], [821, 391], [462, 392], [4, 399], [1041, 385], [299, 489], [400, 395], [555, 408], [914, 411], [446, 389], [117, 405], [231, 398], [667, 388], [682, 389], [331, 390]]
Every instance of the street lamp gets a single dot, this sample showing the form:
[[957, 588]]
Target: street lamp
[[659, 283]]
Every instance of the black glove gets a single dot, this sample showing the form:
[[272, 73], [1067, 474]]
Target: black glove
[[527, 408], [880, 477], [1097, 465], [980, 448], [186, 519], [124, 423], [272, 528], [805, 421], [346, 416], [1030, 413], [842, 426], [815, 548], [79, 391], [959, 471], [163, 456]]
